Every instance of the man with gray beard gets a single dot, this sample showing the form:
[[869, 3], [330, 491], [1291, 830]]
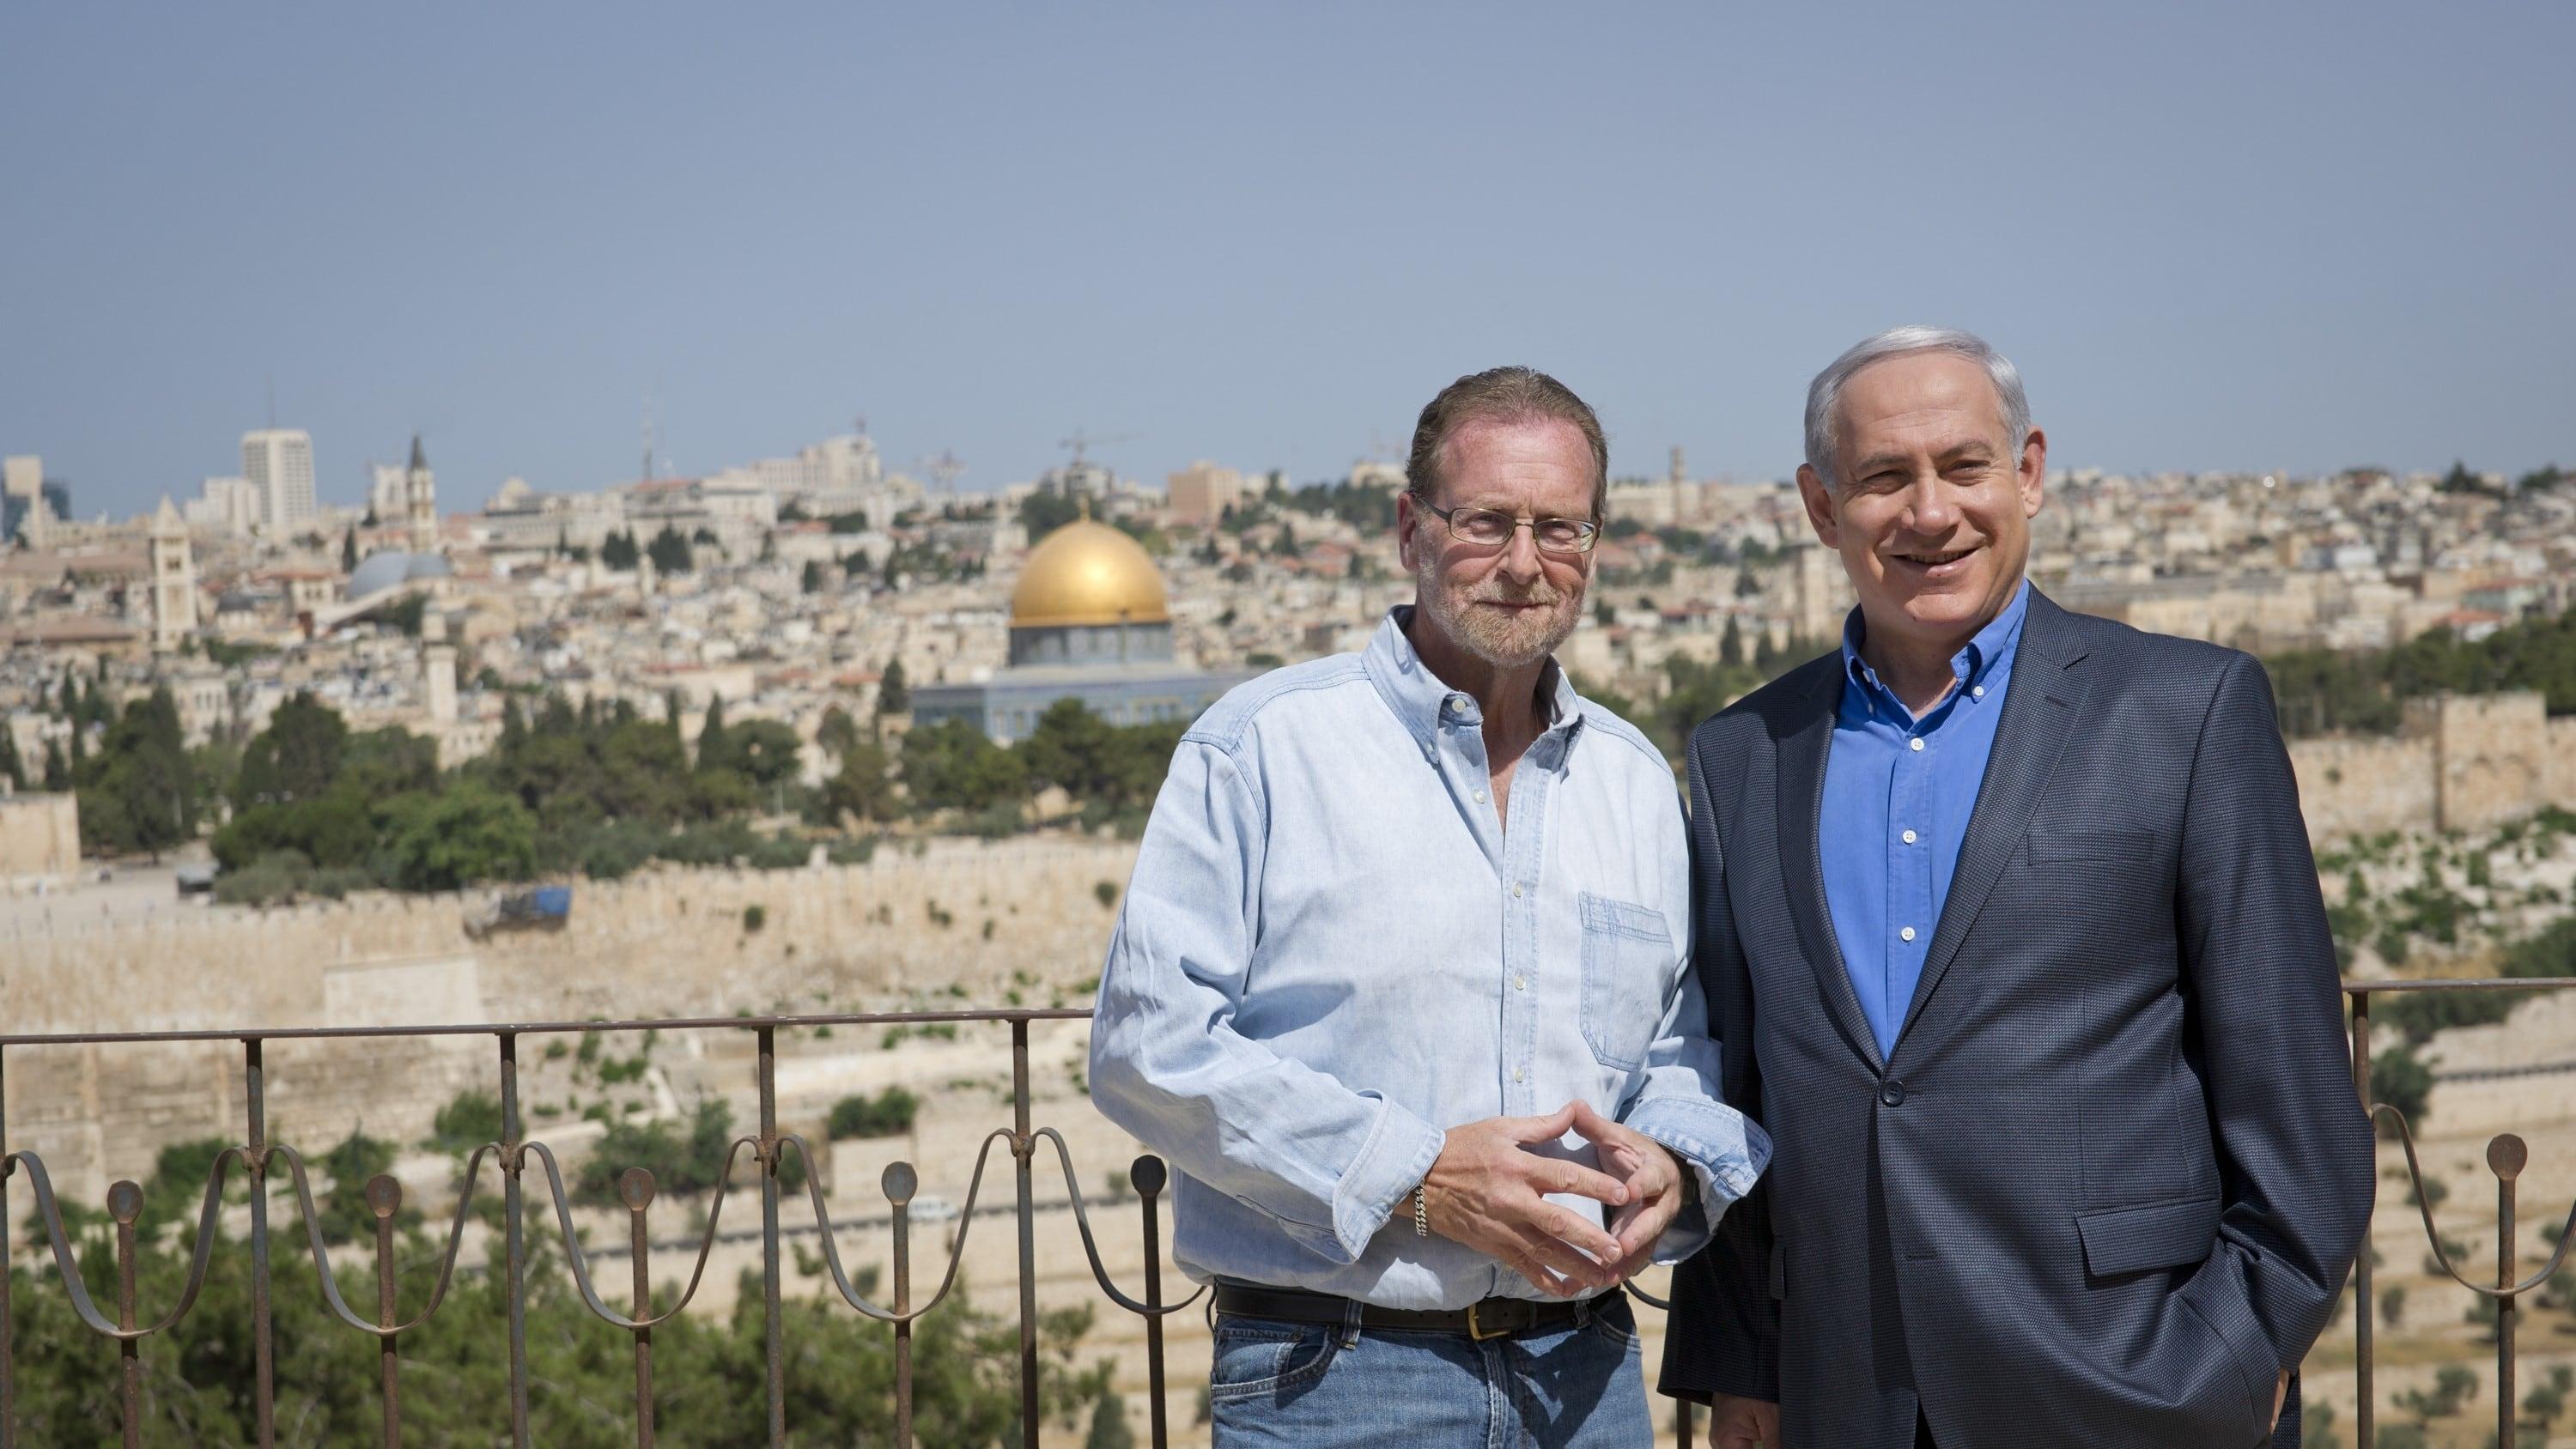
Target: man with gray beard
[[1400, 988]]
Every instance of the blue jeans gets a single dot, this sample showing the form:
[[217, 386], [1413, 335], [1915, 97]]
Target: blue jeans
[[1316, 1386]]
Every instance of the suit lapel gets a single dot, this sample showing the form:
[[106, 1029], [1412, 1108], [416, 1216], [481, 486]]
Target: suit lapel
[[1801, 795], [2040, 708]]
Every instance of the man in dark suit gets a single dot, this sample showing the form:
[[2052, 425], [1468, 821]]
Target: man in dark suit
[[2012, 941]]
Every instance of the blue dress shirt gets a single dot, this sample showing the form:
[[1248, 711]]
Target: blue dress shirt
[[1898, 794], [1335, 948]]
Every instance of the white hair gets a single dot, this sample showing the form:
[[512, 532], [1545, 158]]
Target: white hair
[[1825, 393]]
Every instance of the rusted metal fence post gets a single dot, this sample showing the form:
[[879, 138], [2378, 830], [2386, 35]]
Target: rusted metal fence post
[[125, 1203], [1023, 1148], [1148, 1176], [513, 1213], [2507, 1155], [635, 1189], [263, 1393], [900, 1182], [2365, 1412], [776, 1351], [384, 1199], [8, 1368]]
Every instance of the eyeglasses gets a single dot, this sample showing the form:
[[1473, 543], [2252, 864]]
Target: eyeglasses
[[1488, 528]]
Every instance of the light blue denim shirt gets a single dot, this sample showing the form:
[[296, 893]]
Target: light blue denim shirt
[[1334, 949]]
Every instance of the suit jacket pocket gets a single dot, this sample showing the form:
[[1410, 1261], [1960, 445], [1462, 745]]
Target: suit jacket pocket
[[2131, 846], [1628, 961], [2155, 1235]]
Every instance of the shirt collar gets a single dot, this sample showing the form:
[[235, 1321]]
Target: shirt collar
[[1990, 651], [1425, 702]]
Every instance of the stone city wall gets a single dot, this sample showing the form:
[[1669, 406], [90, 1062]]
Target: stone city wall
[[2457, 762], [39, 837], [2364, 785], [987, 917]]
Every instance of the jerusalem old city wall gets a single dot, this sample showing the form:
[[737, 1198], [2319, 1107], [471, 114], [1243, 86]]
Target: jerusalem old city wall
[[2457, 762], [987, 917]]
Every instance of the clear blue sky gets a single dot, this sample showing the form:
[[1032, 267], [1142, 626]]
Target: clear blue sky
[[2213, 235]]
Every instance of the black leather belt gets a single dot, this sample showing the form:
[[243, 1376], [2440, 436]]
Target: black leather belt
[[1490, 1318]]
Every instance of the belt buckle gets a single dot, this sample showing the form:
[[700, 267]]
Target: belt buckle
[[1476, 1329]]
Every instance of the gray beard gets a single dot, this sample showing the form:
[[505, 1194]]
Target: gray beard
[[1504, 644]]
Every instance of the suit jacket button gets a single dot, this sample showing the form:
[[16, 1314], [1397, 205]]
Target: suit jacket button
[[1892, 1092]]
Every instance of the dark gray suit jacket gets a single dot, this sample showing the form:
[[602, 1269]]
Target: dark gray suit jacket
[[2112, 1176]]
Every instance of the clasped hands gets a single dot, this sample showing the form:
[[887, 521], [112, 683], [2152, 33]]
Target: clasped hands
[[1489, 1192]]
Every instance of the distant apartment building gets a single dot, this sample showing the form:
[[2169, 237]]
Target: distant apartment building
[[30, 501], [1202, 492], [388, 491], [229, 504], [279, 464]]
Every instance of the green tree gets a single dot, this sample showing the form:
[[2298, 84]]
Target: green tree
[[618, 551], [890, 1113], [952, 766], [58, 772], [344, 1213], [1109, 1425], [863, 786], [812, 579], [715, 751], [139, 792], [349, 552], [669, 551], [467, 834], [894, 692], [644, 774], [297, 757], [837, 732], [764, 751], [2451, 1389], [709, 1370], [381, 763], [1047, 509], [10, 765], [1071, 747]]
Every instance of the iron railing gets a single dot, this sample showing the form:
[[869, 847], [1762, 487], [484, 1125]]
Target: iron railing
[[257, 1156], [2507, 1156]]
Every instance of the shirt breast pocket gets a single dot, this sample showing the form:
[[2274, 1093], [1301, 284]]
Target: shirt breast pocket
[[1627, 956]]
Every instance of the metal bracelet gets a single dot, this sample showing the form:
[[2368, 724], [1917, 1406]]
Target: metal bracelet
[[1421, 1212]]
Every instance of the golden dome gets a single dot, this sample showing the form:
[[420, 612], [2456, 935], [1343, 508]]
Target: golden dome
[[1088, 573]]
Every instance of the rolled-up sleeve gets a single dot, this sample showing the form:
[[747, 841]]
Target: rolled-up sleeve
[[1327, 1162]]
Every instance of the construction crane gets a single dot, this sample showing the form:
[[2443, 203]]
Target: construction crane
[[1082, 441], [944, 469]]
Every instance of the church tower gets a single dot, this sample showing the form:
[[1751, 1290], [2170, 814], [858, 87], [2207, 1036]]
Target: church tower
[[420, 497], [174, 581]]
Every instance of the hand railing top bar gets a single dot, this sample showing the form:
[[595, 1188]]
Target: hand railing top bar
[[542, 1028], [2461, 983], [769, 1148]]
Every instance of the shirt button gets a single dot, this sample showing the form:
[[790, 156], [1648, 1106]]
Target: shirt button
[[1480, 797], [1977, 692], [1906, 935], [1520, 983], [1909, 837], [1516, 890], [1518, 1074], [1915, 744]]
